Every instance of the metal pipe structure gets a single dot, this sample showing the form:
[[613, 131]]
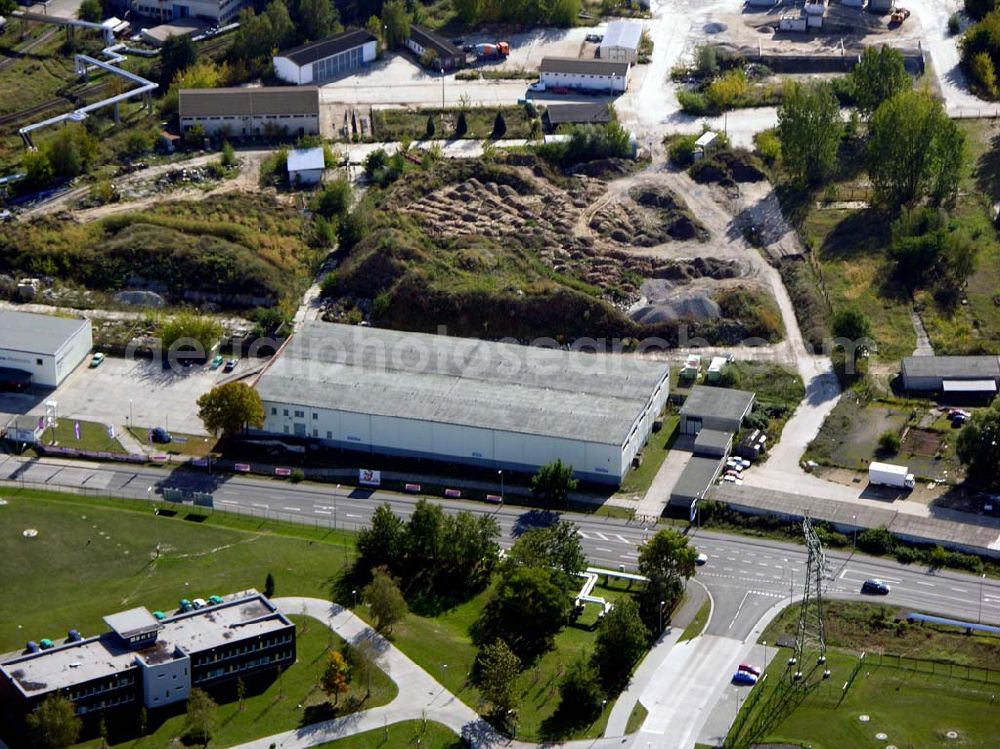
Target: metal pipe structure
[[84, 63]]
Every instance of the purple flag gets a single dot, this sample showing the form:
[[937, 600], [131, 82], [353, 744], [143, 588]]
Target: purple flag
[[41, 422], [111, 431], [149, 436], [76, 430]]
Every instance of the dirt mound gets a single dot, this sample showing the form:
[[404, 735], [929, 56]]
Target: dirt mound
[[727, 168], [604, 168], [700, 267], [652, 215]]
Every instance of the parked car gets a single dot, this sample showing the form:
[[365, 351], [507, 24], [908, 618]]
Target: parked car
[[750, 669], [595, 37], [230, 365], [537, 86], [161, 436], [701, 559], [458, 42], [744, 678], [96, 360], [199, 603], [875, 587], [217, 361], [729, 479], [733, 472]]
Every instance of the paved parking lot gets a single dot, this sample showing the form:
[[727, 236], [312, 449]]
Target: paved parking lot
[[120, 388]]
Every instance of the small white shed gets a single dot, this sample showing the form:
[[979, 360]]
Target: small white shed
[[705, 144], [305, 166]]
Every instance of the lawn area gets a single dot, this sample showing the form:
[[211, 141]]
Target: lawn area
[[94, 558], [697, 624], [282, 704], [44, 73], [638, 480], [443, 647], [636, 718], [428, 735], [397, 124], [871, 627], [181, 444], [93, 436], [912, 709]]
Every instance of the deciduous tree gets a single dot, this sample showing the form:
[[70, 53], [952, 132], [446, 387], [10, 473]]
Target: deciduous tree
[[667, 560], [914, 150], [581, 697], [557, 546], [809, 128], [230, 408], [978, 447], [396, 21], [553, 482], [383, 543], [621, 640], [388, 606], [201, 717], [879, 76], [54, 724], [497, 669], [336, 676]]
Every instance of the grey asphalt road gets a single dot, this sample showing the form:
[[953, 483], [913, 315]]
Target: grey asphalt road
[[745, 576]]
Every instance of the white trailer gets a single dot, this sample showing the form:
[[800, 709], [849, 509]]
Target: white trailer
[[887, 474]]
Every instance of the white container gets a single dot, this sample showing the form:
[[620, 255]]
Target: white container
[[887, 474]]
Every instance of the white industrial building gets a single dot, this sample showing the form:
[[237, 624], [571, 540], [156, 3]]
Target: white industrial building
[[621, 42], [216, 12], [575, 72], [326, 59], [41, 349], [459, 400], [306, 165], [250, 112]]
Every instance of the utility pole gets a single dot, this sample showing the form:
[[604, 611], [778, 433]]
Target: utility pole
[[811, 632], [982, 580]]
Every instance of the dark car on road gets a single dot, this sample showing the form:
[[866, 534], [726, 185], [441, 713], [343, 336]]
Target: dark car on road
[[875, 588]]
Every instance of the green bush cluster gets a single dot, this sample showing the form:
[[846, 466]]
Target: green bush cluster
[[980, 48]]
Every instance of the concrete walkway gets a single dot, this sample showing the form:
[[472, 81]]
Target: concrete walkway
[[655, 500], [697, 594]]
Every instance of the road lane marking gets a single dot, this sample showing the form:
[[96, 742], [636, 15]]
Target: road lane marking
[[606, 551], [960, 590], [921, 582], [322, 512], [292, 509], [600, 535], [353, 516], [258, 504], [622, 538]]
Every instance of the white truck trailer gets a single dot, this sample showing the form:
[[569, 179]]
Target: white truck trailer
[[887, 474]]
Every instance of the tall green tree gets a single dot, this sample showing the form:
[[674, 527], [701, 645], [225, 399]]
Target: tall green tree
[[54, 724], [879, 76], [978, 447], [914, 150], [317, 19], [282, 27], [851, 324], [497, 669], [383, 543], [668, 561], [528, 608], [269, 585], [470, 550], [809, 128], [581, 697], [557, 546], [176, 54], [621, 640], [362, 655], [202, 717], [499, 126], [230, 408], [90, 10], [386, 600], [553, 482], [425, 539], [7, 7], [396, 21]]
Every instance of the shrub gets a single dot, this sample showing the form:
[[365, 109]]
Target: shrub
[[725, 91], [682, 150], [977, 9], [693, 102], [228, 154], [768, 146], [984, 75], [888, 442], [297, 475], [878, 541], [954, 24], [706, 61]]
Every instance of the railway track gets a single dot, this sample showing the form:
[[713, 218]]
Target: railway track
[[44, 37]]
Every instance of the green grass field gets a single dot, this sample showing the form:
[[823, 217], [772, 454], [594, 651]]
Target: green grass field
[[396, 124], [94, 558], [193, 445], [443, 647], [912, 709], [408, 733], [93, 436], [697, 625], [638, 480]]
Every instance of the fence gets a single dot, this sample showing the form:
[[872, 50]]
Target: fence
[[944, 669]]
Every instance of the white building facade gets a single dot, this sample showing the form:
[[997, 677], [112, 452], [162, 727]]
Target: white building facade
[[463, 401], [216, 12], [326, 59], [621, 42], [578, 73], [47, 348], [251, 112]]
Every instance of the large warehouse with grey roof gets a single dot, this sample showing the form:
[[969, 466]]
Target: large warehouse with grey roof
[[41, 349], [460, 400]]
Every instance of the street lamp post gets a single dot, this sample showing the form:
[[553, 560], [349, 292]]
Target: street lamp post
[[662, 604], [982, 580], [854, 522], [501, 485], [335, 506], [354, 593]]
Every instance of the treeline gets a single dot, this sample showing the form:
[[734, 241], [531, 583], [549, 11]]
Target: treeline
[[520, 12]]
